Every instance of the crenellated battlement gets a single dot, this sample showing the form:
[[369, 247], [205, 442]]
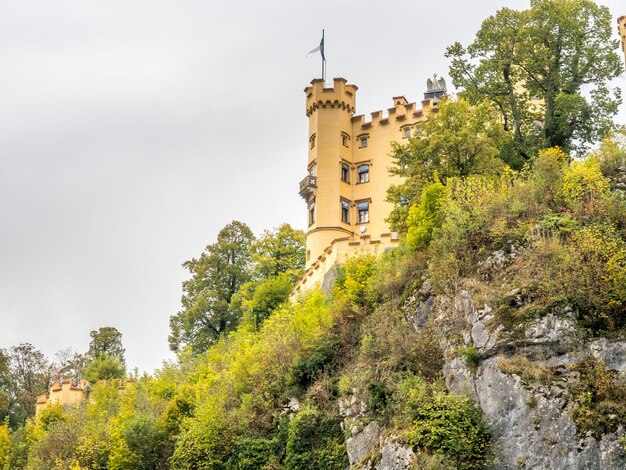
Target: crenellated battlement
[[402, 111], [341, 96]]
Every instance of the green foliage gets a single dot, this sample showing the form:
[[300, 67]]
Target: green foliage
[[27, 373], [314, 442], [458, 141], [5, 445], [57, 433], [350, 289], [425, 216], [106, 341], [550, 64], [254, 453], [50, 415], [245, 375], [307, 367], [215, 277], [584, 183], [105, 367], [279, 251], [445, 424], [600, 399], [471, 356], [268, 295]]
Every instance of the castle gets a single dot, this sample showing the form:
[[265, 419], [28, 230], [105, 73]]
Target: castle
[[348, 173], [65, 392]]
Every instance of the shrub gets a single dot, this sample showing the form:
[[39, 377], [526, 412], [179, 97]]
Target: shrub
[[425, 216], [584, 183], [444, 423], [314, 442], [253, 453], [600, 399], [5, 445]]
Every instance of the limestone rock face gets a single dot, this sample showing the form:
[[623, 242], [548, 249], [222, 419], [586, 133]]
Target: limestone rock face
[[367, 446], [363, 443], [395, 456], [535, 430], [532, 425]]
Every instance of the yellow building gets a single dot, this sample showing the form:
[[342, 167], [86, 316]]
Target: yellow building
[[621, 28], [65, 392], [348, 172]]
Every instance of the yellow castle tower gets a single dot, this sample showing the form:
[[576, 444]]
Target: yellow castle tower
[[349, 158]]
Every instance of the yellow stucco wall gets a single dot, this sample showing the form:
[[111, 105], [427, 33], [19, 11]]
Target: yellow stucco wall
[[335, 139], [65, 393]]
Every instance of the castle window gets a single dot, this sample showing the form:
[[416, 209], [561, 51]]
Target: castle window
[[312, 212], [313, 169], [345, 211], [364, 174], [345, 139], [345, 173], [364, 211], [406, 132], [363, 142], [312, 141]]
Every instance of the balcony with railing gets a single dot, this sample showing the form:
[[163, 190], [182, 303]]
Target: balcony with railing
[[308, 187]]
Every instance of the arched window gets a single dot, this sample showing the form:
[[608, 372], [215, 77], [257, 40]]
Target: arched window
[[312, 141]]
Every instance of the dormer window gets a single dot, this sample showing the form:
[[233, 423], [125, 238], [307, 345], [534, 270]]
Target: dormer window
[[364, 174], [312, 141]]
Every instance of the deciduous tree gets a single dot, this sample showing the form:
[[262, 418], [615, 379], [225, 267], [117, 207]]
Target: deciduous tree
[[459, 140], [546, 70], [215, 277]]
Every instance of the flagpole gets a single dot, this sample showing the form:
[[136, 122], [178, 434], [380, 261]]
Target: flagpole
[[323, 61]]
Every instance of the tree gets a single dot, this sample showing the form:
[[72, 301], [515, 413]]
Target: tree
[[29, 374], [106, 340], [71, 363], [279, 251], [546, 70], [459, 140], [215, 277], [105, 367]]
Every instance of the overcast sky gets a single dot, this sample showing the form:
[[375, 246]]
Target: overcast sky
[[132, 131]]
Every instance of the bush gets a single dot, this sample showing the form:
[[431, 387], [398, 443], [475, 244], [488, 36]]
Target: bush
[[444, 423], [425, 216], [314, 442], [600, 399]]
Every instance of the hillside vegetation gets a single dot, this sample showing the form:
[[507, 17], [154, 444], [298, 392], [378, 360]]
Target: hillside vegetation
[[493, 336]]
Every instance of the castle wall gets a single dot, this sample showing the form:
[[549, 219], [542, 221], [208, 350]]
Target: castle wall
[[65, 393], [348, 165]]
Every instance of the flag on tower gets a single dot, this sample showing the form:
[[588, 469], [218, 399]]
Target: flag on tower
[[319, 48]]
